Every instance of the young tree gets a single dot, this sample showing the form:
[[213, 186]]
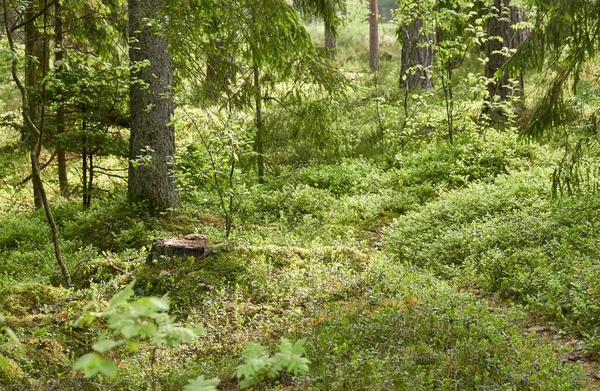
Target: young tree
[[36, 136], [152, 140]]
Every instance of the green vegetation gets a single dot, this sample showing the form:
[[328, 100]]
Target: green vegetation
[[362, 236]]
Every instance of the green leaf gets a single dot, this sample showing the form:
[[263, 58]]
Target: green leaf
[[256, 359], [122, 297], [162, 303], [202, 384], [91, 364], [290, 356], [106, 344], [108, 368]]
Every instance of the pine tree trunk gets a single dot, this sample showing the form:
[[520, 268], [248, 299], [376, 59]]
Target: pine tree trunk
[[373, 35], [330, 42], [499, 36], [63, 180], [518, 36], [152, 140], [416, 57]]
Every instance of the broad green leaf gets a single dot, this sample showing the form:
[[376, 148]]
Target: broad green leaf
[[201, 384], [106, 344], [108, 368], [92, 364]]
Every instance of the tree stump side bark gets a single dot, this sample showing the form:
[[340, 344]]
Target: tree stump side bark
[[189, 246]]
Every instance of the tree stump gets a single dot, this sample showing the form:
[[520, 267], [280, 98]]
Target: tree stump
[[193, 245]]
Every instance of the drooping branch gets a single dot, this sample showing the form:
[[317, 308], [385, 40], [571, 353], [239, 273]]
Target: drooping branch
[[33, 17]]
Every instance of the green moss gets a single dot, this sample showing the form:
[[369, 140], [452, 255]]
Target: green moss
[[183, 279], [282, 256], [10, 371], [46, 352], [22, 299]]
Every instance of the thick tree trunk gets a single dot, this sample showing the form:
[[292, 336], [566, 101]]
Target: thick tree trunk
[[59, 55], [416, 57], [152, 140], [330, 42], [373, 35], [499, 35], [518, 36]]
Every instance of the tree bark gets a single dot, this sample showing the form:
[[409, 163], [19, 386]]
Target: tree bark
[[59, 55], [259, 138], [416, 57], [34, 154], [518, 36], [152, 140], [373, 35], [34, 60], [330, 42], [499, 35]]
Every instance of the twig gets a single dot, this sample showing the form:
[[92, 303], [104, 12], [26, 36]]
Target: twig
[[30, 176], [105, 255]]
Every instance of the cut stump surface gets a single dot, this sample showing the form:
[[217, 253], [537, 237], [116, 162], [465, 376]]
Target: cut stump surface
[[193, 245]]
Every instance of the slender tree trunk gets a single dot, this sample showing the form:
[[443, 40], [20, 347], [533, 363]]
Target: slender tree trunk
[[259, 138], [35, 162], [416, 57], [59, 55], [330, 42], [345, 9], [34, 53], [152, 140], [373, 35]]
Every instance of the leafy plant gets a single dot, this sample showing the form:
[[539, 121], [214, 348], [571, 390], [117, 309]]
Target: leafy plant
[[145, 318], [258, 365]]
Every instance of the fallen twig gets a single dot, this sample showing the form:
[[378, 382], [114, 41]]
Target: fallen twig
[[105, 255]]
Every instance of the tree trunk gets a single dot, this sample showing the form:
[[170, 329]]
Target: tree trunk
[[35, 145], [152, 140], [416, 57], [259, 138], [499, 36], [34, 53], [330, 42], [518, 36], [373, 35], [59, 55]]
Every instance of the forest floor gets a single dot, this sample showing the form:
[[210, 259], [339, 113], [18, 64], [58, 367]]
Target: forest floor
[[454, 269]]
